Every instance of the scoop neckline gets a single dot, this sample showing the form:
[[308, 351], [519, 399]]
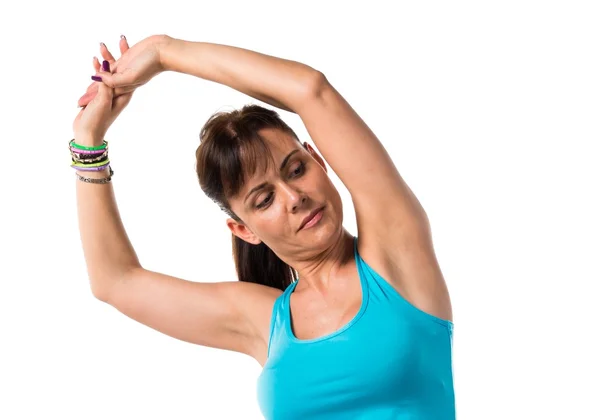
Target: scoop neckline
[[349, 324]]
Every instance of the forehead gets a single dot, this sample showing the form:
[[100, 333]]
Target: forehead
[[278, 141], [280, 144]]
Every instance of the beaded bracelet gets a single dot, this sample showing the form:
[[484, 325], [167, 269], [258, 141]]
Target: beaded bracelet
[[93, 158], [90, 159], [97, 180]]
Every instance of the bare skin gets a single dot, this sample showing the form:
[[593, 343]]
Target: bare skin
[[394, 235]]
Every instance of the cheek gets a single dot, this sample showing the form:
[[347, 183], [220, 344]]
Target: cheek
[[327, 187], [273, 217], [333, 195]]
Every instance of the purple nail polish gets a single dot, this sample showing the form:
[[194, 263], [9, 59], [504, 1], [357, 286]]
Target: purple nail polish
[[105, 66], [96, 78]]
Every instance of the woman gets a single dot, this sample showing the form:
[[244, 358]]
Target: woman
[[345, 327]]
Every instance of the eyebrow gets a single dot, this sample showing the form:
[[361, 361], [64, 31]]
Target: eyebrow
[[264, 184]]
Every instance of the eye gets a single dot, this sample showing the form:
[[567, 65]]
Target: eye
[[295, 173], [264, 203], [299, 170]]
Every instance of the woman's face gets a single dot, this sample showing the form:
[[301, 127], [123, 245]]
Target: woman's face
[[273, 214]]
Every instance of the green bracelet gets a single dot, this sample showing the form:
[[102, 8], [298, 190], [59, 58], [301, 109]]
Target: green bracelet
[[103, 146]]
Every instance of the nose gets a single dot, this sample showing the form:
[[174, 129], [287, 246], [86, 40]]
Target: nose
[[299, 203], [296, 199]]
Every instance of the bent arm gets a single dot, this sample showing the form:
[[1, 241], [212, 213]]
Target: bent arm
[[391, 219], [108, 253], [226, 315], [276, 81]]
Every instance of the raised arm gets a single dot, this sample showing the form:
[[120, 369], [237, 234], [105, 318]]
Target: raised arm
[[276, 81], [394, 230], [283, 83], [228, 315]]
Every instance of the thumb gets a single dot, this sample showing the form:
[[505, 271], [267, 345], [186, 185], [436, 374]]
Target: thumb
[[117, 80], [105, 94]]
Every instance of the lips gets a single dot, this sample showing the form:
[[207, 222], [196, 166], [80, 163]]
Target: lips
[[310, 216]]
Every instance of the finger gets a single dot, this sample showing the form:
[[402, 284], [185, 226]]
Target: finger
[[96, 64], [122, 82], [106, 54], [89, 92], [104, 96], [93, 90], [88, 95], [123, 44], [86, 99], [92, 87]]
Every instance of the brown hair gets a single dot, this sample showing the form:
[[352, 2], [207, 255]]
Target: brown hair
[[231, 150]]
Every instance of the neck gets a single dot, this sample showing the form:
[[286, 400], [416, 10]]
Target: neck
[[322, 270]]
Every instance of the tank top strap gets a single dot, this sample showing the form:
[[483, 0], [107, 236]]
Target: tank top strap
[[382, 292], [279, 316]]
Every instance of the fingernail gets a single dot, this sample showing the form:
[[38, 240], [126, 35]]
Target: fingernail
[[105, 66], [122, 36], [102, 44], [97, 78]]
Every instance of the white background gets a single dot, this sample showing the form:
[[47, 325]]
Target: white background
[[491, 111]]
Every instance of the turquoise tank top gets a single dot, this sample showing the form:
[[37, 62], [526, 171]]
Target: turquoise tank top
[[391, 361]]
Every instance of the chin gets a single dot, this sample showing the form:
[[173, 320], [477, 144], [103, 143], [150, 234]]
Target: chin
[[326, 231]]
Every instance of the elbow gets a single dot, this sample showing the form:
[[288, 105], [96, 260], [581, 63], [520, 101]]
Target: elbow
[[103, 287], [99, 291], [316, 84], [314, 88]]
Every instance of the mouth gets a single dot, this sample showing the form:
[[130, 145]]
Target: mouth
[[312, 218]]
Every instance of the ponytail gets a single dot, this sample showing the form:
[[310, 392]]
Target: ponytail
[[259, 264]]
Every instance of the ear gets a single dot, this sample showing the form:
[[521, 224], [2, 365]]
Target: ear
[[315, 155], [242, 231]]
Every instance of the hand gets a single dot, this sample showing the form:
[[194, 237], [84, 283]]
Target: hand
[[92, 122], [136, 66]]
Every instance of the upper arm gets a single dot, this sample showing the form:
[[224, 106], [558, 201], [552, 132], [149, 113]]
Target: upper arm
[[362, 163], [225, 315], [391, 221]]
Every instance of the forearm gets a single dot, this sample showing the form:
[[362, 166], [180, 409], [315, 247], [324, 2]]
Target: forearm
[[107, 250], [276, 81]]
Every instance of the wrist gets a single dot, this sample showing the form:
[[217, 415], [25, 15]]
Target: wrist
[[164, 44], [88, 140]]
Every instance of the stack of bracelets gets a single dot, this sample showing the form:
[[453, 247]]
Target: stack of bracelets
[[90, 159]]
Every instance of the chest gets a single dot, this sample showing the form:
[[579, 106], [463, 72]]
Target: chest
[[372, 362], [314, 315]]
